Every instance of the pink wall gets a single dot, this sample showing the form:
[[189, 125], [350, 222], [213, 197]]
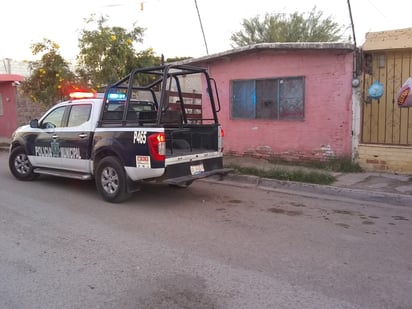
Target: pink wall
[[8, 91], [8, 120], [326, 129]]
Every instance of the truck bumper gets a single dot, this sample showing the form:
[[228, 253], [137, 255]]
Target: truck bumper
[[186, 172]]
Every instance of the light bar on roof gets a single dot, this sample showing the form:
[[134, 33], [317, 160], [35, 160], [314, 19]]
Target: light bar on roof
[[116, 96], [82, 95]]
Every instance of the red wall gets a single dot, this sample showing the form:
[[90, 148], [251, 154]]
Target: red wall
[[326, 128], [8, 120]]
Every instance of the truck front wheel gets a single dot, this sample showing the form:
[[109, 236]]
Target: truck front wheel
[[111, 181], [20, 166]]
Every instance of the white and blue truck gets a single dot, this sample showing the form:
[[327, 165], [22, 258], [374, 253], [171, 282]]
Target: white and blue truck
[[156, 124]]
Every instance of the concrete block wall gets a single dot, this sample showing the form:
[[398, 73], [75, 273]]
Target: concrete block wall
[[384, 158], [27, 110]]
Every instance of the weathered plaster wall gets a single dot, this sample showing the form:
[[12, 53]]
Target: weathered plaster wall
[[326, 129], [16, 109], [8, 112]]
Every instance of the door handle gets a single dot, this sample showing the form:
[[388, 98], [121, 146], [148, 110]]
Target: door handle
[[82, 135], [54, 136]]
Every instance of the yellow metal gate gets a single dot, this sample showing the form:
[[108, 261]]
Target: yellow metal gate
[[383, 122]]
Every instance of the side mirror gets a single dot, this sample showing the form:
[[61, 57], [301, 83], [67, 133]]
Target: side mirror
[[34, 123]]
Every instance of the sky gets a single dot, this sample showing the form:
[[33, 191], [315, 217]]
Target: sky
[[173, 28]]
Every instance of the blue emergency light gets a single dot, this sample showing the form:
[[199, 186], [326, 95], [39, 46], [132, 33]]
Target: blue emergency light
[[116, 96]]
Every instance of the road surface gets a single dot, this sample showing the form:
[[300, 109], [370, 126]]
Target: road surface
[[208, 246]]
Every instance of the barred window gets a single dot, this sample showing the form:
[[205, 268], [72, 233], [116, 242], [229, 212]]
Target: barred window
[[272, 98]]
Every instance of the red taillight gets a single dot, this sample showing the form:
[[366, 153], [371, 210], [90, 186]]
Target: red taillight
[[157, 145], [220, 141]]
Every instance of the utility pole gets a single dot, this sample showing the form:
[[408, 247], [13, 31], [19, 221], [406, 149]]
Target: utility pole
[[351, 22], [201, 26]]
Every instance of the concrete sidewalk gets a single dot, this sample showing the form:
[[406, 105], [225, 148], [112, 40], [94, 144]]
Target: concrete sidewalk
[[370, 186]]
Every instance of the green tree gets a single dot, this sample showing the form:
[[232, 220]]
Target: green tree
[[295, 27], [107, 53], [48, 75]]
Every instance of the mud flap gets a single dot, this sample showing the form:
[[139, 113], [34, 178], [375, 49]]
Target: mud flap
[[133, 186]]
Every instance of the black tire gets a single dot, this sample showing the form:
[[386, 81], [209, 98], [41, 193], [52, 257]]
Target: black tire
[[20, 166], [110, 178]]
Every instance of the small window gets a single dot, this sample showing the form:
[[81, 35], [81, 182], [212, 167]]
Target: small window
[[274, 98], [368, 63], [79, 114]]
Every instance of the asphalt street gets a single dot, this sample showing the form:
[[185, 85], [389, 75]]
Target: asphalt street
[[217, 244]]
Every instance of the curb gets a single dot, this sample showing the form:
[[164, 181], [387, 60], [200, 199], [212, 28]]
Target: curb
[[301, 188], [313, 190]]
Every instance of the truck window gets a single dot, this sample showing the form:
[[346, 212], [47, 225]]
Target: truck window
[[54, 118], [79, 114], [113, 110]]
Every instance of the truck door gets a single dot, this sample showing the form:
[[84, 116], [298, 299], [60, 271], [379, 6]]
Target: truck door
[[43, 152], [75, 138]]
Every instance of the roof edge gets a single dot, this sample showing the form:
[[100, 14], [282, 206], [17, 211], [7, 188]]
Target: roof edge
[[347, 47], [11, 78]]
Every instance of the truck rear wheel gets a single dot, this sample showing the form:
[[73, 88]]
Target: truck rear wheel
[[111, 181], [20, 165]]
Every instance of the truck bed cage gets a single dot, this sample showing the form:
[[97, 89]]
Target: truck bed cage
[[147, 96]]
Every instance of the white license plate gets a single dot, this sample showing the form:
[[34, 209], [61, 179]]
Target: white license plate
[[197, 169]]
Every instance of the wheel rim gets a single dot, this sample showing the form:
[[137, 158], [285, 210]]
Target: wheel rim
[[22, 164], [110, 180]]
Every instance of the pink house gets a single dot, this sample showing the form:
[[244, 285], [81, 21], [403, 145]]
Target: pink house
[[285, 100], [8, 98]]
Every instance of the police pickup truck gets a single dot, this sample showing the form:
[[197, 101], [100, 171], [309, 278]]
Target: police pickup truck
[[156, 124]]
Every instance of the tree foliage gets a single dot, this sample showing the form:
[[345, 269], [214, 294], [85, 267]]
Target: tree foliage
[[107, 53], [48, 75], [296, 27]]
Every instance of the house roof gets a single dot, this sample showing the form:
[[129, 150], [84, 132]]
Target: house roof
[[391, 39], [291, 46], [11, 78]]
